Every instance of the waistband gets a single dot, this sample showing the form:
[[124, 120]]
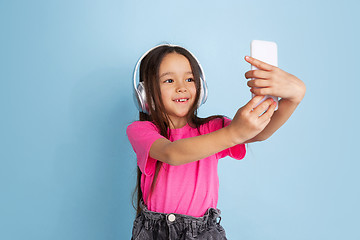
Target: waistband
[[193, 224]]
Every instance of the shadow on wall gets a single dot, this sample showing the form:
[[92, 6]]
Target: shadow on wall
[[95, 167]]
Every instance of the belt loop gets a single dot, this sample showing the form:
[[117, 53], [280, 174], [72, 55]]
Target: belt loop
[[194, 228], [147, 224], [219, 220]]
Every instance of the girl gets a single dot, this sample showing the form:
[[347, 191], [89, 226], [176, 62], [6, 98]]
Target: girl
[[177, 151]]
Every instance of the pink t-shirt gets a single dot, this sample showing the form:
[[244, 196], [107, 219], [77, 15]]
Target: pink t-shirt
[[188, 189]]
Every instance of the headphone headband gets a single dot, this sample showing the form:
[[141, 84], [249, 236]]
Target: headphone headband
[[139, 91]]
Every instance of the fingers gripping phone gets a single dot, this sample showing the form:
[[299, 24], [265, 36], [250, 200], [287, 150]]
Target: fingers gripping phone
[[264, 51]]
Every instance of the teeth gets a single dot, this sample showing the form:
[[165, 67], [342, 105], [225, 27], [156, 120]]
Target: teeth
[[181, 100]]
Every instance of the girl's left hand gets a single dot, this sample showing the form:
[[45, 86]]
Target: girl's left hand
[[271, 80]]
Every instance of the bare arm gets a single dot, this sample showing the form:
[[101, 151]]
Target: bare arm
[[285, 110], [190, 149], [246, 124]]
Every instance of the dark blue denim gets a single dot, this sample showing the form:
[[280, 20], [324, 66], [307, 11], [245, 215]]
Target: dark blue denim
[[154, 225]]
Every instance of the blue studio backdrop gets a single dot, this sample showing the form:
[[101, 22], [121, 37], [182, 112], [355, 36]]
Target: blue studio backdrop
[[67, 170]]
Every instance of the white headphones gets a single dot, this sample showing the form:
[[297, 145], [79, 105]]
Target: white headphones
[[139, 89]]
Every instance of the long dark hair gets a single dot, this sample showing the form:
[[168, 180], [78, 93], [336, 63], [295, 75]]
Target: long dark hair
[[149, 74]]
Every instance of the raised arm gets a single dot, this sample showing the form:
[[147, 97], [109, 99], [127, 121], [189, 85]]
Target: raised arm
[[271, 80], [246, 124]]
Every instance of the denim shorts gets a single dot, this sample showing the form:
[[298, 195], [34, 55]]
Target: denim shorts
[[154, 225]]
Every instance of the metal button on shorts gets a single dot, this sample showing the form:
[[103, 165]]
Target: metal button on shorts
[[171, 217]]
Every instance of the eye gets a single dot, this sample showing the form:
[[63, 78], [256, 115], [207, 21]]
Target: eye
[[190, 80], [169, 81]]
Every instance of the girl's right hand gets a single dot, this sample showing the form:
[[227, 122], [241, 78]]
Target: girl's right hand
[[249, 120]]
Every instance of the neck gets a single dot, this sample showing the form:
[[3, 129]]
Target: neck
[[178, 123]]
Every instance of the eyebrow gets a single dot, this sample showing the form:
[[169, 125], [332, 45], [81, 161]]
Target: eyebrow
[[171, 73]]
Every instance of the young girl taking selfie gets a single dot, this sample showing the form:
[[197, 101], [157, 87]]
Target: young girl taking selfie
[[178, 152]]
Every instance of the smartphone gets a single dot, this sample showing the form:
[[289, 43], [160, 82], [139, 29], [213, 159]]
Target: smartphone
[[265, 51]]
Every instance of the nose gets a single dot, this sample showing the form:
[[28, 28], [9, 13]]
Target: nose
[[181, 87]]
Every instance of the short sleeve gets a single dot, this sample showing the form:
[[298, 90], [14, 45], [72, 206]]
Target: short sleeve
[[142, 134], [238, 151]]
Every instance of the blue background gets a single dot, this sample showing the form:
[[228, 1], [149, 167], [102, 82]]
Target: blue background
[[67, 169]]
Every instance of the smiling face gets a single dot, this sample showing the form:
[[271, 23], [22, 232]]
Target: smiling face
[[177, 86]]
